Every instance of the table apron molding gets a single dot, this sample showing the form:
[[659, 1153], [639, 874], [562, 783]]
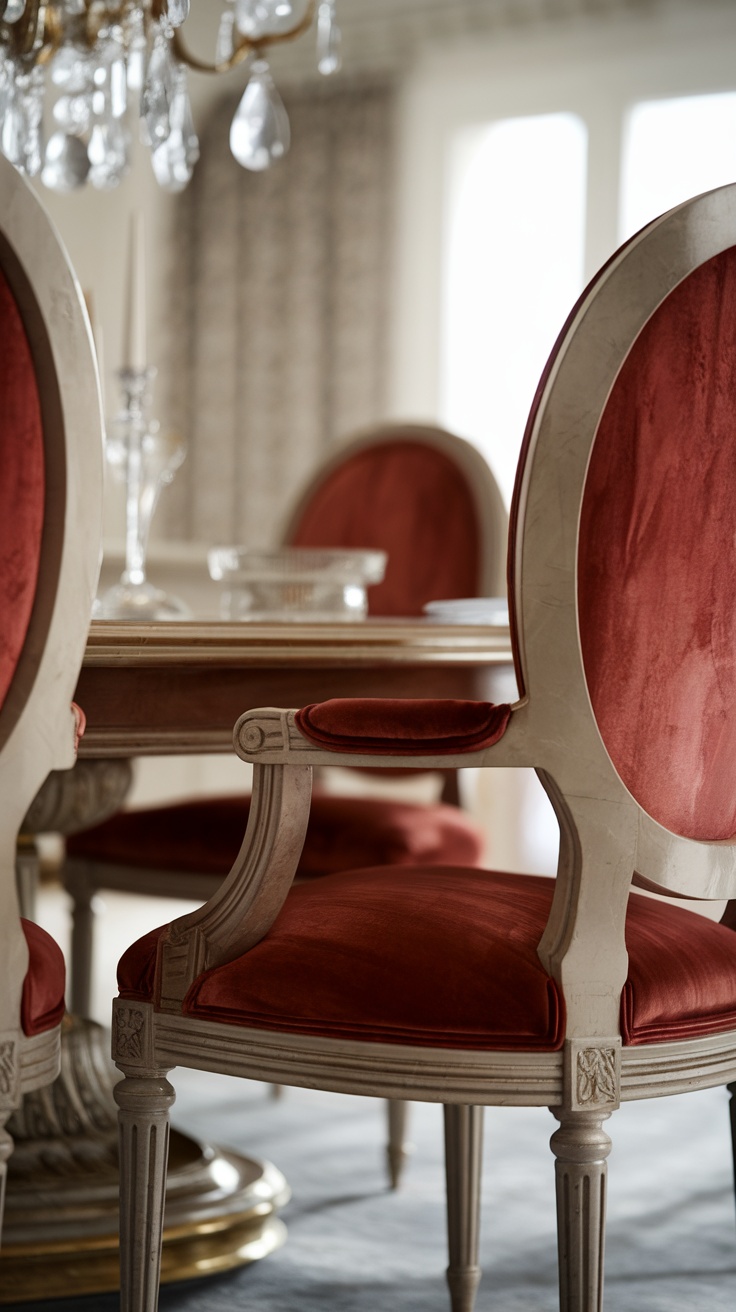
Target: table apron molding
[[365, 644], [165, 689]]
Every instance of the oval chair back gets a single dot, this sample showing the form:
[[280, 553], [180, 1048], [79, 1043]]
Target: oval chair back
[[425, 497], [623, 554]]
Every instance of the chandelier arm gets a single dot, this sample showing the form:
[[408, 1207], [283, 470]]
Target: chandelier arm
[[202, 66], [52, 35], [246, 46], [293, 32], [29, 29]]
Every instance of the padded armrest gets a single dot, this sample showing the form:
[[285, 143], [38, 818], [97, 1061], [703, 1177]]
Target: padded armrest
[[401, 727]]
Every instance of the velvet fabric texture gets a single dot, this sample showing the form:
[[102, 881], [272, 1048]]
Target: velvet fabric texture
[[448, 958], [657, 561], [42, 1003], [410, 500], [402, 726], [428, 956], [682, 974], [344, 832], [22, 488]]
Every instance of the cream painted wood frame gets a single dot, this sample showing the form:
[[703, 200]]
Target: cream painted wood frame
[[605, 837], [37, 724]]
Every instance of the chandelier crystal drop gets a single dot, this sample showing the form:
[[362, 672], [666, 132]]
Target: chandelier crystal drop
[[79, 77]]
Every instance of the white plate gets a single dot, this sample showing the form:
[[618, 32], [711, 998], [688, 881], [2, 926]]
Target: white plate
[[468, 610]]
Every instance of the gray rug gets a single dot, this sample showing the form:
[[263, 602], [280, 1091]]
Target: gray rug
[[354, 1247]]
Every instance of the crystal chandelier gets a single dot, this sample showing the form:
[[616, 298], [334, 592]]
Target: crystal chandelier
[[76, 74]]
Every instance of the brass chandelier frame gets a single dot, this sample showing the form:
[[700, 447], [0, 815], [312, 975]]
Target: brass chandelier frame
[[38, 33]]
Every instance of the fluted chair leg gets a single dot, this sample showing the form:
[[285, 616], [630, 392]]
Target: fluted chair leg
[[144, 1100], [581, 1147], [397, 1149], [463, 1165]]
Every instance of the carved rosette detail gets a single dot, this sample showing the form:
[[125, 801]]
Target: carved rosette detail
[[595, 1077], [129, 1029]]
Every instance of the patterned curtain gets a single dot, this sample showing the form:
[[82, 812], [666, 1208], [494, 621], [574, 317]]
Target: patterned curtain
[[278, 309]]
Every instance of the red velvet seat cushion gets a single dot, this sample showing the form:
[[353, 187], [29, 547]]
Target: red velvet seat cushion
[[448, 957], [42, 1004], [344, 832], [402, 726], [400, 956]]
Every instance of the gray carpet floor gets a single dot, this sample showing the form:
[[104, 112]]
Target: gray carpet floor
[[355, 1247]]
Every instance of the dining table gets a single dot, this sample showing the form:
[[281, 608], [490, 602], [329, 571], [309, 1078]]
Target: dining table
[[161, 689], [166, 688]]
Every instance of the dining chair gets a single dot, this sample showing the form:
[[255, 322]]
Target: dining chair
[[470, 987], [50, 508], [429, 500]]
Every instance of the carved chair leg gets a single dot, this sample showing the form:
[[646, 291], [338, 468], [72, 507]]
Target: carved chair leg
[[397, 1149], [581, 1147], [463, 1165], [82, 946], [6, 1148], [144, 1099]]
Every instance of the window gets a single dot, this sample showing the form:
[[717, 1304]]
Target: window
[[515, 243], [524, 160], [513, 267], [674, 149]]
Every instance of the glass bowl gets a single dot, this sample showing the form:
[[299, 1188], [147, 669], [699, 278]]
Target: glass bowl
[[294, 583]]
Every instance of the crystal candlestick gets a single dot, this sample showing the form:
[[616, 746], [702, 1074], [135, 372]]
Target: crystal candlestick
[[144, 459]]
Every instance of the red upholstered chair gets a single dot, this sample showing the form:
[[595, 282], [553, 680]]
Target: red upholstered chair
[[468, 987], [50, 506], [428, 499]]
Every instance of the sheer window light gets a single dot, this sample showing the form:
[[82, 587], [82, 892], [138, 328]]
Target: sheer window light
[[513, 267], [675, 149]]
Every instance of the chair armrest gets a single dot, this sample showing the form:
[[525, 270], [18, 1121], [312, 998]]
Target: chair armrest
[[270, 736], [375, 726], [245, 905], [248, 900]]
